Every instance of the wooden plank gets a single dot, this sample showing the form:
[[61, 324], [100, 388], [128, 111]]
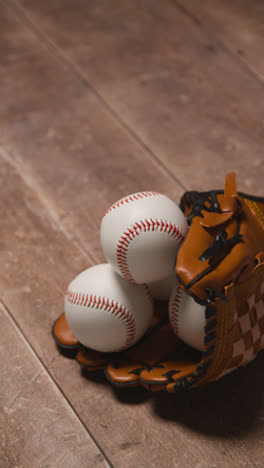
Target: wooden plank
[[133, 427], [239, 25], [68, 144], [14, 44], [177, 89], [38, 426]]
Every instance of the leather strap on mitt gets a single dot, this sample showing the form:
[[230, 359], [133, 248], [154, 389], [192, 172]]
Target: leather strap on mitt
[[221, 265]]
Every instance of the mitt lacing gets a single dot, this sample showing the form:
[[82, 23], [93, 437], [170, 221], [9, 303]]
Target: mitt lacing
[[199, 205], [220, 242]]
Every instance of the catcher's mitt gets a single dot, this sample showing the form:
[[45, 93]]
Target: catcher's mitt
[[221, 265]]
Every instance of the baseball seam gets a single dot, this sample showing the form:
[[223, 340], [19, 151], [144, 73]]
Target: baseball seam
[[174, 311], [127, 237], [108, 305], [131, 198], [148, 292]]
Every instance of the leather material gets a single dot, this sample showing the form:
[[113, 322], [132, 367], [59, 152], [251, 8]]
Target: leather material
[[62, 333], [228, 262], [220, 264]]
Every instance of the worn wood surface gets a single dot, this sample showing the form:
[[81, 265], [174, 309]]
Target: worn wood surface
[[168, 81], [99, 100], [38, 427], [238, 25]]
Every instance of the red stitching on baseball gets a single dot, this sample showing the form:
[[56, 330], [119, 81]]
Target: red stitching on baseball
[[98, 302], [131, 198], [133, 231], [174, 311]]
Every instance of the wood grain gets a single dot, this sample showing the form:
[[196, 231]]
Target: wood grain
[[177, 89], [38, 426], [99, 100], [70, 148], [134, 428], [239, 25]]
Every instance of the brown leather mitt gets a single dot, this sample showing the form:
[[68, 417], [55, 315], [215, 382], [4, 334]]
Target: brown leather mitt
[[221, 265]]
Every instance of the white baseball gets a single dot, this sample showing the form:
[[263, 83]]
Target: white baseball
[[187, 318], [104, 311], [140, 236], [162, 289]]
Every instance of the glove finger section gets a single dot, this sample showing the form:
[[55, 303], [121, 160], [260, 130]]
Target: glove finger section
[[171, 370], [63, 336], [157, 345], [90, 359], [123, 373]]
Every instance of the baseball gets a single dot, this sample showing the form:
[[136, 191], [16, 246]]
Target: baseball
[[187, 318], [105, 312], [161, 290], [140, 236]]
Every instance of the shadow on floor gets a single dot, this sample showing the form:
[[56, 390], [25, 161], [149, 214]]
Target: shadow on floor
[[229, 407]]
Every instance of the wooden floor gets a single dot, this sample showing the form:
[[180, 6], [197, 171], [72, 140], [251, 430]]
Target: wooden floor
[[99, 99]]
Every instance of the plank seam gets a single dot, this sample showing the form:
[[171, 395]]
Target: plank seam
[[237, 58], [52, 214], [44, 368], [66, 60]]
